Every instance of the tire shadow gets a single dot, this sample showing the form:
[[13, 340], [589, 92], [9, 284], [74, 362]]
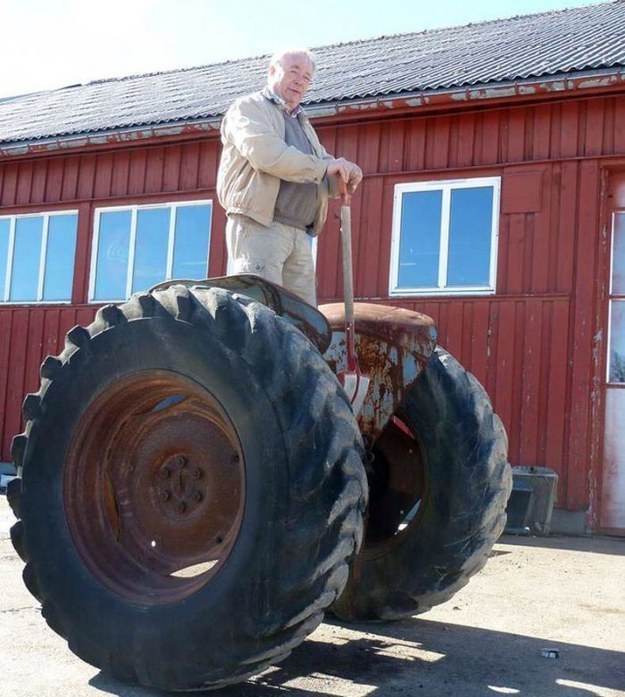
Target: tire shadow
[[423, 657]]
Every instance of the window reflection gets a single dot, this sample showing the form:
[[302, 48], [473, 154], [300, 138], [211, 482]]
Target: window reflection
[[444, 236], [617, 342], [618, 255], [37, 257], [419, 250], [60, 253], [148, 245], [113, 249]]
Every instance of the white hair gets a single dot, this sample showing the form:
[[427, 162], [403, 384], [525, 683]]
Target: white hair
[[277, 57]]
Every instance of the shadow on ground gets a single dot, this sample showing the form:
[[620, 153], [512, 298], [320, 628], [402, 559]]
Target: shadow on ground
[[429, 658]]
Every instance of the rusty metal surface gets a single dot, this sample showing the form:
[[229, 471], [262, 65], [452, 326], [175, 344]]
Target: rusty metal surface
[[154, 487], [392, 344], [300, 314]]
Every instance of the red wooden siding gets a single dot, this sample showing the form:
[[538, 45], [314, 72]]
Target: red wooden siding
[[535, 345]]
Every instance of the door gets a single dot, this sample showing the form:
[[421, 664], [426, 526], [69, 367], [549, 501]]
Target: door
[[613, 498]]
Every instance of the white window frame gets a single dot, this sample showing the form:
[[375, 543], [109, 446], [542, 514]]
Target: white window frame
[[134, 208], [46, 215], [446, 186]]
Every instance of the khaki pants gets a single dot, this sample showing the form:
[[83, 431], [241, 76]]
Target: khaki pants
[[279, 253]]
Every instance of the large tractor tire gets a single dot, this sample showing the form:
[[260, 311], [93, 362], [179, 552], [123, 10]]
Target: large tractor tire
[[439, 484], [192, 489]]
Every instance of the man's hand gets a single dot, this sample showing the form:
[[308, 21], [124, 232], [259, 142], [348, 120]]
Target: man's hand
[[349, 172]]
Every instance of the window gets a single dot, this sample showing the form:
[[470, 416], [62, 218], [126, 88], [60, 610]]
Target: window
[[37, 257], [616, 357], [136, 247], [445, 237]]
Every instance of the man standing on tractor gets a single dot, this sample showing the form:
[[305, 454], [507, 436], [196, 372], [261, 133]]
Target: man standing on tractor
[[275, 178]]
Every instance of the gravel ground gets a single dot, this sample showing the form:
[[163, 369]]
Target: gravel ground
[[562, 595]]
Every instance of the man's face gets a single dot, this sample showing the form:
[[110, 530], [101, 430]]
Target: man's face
[[291, 78]]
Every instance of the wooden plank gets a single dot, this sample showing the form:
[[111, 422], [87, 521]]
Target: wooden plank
[[6, 327], [54, 182], [515, 255], [154, 171], [619, 124], [103, 175], [439, 156], [566, 225], [9, 176], [516, 135], [16, 366], [38, 185], [503, 395], [24, 183], [207, 173], [555, 388], [384, 233], [594, 127], [413, 145], [530, 341], [368, 157], [86, 176], [189, 163], [82, 259], [372, 261], [479, 323], [583, 323], [491, 133], [465, 130], [569, 125], [541, 126], [171, 168], [120, 173], [137, 172], [69, 186]]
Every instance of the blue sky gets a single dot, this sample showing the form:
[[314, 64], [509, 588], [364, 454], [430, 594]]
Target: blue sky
[[48, 44]]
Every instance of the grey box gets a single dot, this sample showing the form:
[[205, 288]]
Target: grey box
[[543, 482]]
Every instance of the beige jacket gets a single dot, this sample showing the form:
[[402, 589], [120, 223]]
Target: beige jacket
[[256, 157]]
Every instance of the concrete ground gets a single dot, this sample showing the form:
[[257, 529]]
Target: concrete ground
[[535, 596]]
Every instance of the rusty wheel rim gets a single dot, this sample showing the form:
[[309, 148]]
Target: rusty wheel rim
[[154, 487]]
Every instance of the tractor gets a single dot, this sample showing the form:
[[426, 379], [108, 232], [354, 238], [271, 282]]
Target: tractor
[[211, 466]]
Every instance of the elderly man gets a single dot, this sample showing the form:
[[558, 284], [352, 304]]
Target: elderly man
[[275, 178]]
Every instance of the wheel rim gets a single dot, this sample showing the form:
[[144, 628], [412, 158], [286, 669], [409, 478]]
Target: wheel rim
[[154, 487], [397, 487]]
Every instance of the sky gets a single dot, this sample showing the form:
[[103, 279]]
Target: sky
[[48, 44]]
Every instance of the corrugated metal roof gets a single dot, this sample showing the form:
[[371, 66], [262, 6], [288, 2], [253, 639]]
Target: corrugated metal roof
[[588, 38]]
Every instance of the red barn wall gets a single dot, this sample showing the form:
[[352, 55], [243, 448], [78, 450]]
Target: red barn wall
[[536, 345]]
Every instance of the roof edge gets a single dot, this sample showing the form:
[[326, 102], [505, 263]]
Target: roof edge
[[552, 86]]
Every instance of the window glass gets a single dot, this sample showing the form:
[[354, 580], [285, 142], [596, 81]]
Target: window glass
[[26, 259], [60, 252], [617, 341], [5, 227], [150, 266], [420, 239], [470, 236], [191, 242], [445, 237], [618, 255], [112, 255], [149, 244]]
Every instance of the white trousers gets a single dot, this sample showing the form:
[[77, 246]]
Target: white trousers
[[279, 253]]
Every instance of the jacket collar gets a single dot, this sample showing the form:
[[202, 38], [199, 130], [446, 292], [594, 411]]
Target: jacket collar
[[279, 102]]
